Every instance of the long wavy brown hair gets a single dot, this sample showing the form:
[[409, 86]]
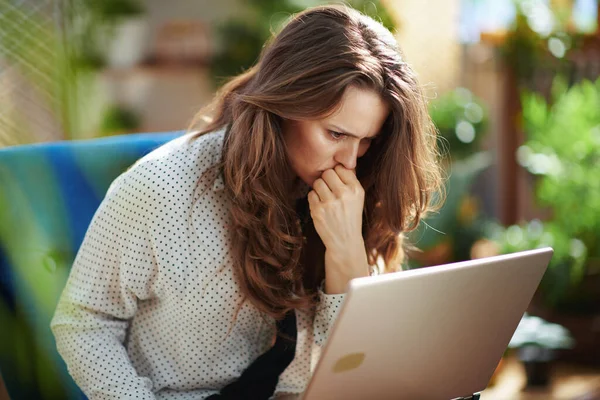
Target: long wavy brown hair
[[302, 74]]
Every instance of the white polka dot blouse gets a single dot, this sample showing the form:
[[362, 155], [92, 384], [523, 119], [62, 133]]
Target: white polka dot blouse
[[148, 309]]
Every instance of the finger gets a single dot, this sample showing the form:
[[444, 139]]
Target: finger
[[313, 197], [334, 182], [325, 194], [346, 175]]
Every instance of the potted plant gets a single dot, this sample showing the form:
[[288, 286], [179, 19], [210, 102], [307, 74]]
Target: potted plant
[[108, 32], [537, 342], [129, 44], [561, 153], [127, 28]]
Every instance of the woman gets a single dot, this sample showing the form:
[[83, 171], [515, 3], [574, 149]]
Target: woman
[[315, 162]]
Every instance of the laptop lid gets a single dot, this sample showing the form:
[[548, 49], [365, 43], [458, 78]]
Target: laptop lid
[[431, 333]]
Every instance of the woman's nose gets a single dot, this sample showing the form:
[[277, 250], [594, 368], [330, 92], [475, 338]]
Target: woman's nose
[[348, 155]]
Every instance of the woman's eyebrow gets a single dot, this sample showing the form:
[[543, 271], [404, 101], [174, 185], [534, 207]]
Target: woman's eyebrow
[[345, 132]]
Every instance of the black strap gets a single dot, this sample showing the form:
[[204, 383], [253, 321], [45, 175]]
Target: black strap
[[259, 380]]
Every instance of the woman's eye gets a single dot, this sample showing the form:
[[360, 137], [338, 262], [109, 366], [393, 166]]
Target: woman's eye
[[336, 135]]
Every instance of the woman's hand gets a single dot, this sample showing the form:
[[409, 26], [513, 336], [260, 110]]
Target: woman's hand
[[336, 207]]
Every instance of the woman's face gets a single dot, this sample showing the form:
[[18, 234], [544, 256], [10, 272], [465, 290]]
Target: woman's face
[[314, 146]]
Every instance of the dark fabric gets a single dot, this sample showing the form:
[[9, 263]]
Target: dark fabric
[[259, 380]]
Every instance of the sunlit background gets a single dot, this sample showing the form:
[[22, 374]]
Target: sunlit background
[[514, 90]]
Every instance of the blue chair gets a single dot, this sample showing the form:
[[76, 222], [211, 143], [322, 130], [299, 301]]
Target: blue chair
[[48, 195]]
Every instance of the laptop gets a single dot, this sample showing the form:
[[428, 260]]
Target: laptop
[[432, 333]]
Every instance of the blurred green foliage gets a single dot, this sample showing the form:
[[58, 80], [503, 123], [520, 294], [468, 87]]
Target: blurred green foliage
[[538, 40], [562, 153], [563, 150], [461, 119], [91, 27], [449, 234], [118, 120], [241, 39], [58, 57]]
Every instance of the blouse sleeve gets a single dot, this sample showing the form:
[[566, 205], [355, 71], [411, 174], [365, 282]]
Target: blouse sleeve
[[326, 313], [113, 269]]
